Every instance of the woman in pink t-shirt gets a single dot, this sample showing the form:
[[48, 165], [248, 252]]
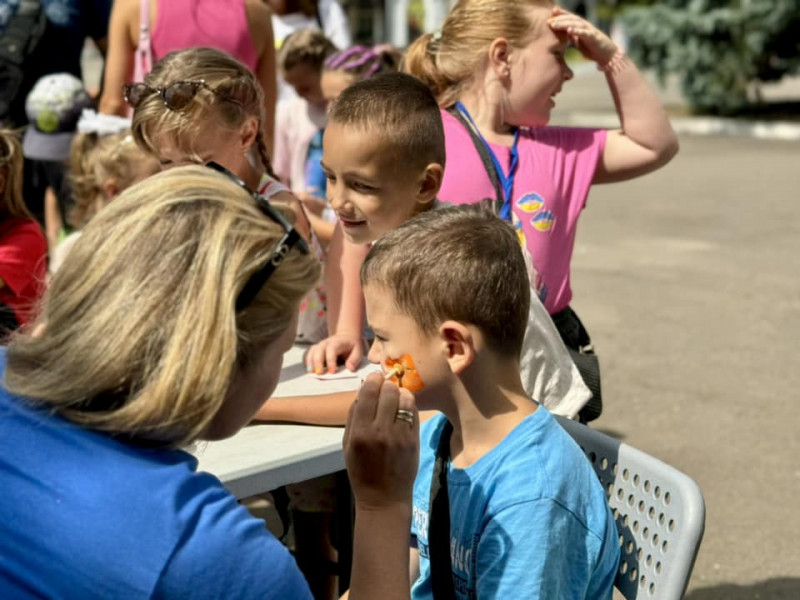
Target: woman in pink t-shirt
[[241, 28], [495, 68]]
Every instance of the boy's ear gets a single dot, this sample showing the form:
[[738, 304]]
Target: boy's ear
[[459, 345], [430, 182]]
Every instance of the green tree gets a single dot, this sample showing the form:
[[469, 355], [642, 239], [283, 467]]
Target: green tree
[[721, 49]]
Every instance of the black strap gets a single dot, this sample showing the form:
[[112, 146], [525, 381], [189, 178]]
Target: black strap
[[439, 522], [483, 152]]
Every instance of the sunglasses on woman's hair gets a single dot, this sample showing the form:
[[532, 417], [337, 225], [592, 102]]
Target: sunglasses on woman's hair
[[290, 239], [176, 96]]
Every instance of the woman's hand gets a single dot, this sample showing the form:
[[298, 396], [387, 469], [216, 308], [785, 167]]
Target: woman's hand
[[381, 449], [323, 356], [588, 39]]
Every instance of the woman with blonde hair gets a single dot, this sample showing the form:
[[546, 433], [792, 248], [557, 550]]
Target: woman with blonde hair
[[496, 67], [167, 325], [23, 248]]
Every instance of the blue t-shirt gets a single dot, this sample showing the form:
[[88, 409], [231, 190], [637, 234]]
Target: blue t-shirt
[[85, 516], [316, 180], [529, 519]]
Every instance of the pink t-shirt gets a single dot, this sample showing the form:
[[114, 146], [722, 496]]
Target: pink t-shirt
[[220, 24], [555, 170]]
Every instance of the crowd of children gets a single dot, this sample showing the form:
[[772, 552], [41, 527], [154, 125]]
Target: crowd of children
[[423, 218]]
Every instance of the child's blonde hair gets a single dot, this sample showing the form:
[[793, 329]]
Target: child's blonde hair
[[237, 95], [305, 46], [447, 59], [139, 336], [96, 159], [12, 204]]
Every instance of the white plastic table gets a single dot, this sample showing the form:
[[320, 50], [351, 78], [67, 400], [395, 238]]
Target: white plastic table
[[264, 457]]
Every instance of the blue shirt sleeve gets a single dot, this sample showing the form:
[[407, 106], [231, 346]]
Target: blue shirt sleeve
[[538, 550], [227, 553]]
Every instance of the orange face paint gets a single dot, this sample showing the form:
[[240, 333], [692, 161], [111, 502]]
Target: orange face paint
[[402, 372]]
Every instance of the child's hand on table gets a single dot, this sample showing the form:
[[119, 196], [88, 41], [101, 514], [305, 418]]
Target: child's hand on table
[[323, 357]]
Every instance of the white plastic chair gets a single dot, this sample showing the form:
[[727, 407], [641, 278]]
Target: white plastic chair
[[659, 511]]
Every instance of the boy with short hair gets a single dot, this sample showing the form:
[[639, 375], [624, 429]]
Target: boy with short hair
[[384, 156], [528, 517]]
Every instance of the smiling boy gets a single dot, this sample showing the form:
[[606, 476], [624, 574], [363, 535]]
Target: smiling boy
[[528, 517]]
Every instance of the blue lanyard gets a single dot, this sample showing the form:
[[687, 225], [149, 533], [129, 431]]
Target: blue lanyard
[[507, 182]]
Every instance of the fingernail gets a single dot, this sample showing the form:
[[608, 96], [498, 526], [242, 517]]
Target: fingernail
[[331, 370], [309, 368], [319, 370]]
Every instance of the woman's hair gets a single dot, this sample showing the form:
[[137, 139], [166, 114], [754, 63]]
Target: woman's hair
[[447, 59], [12, 203], [363, 62], [237, 95], [138, 334], [305, 46], [95, 159]]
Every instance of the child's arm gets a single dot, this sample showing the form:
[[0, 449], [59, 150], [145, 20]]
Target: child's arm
[[327, 410], [646, 140], [345, 307]]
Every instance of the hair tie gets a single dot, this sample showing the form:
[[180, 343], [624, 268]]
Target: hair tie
[[437, 35]]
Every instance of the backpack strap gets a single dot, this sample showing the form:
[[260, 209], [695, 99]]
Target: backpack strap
[[144, 51], [439, 522], [18, 40], [488, 165]]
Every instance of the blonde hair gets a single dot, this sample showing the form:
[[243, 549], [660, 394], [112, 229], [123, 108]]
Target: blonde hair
[[96, 159], [447, 60], [139, 336], [237, 95], [12, 204], [305, 46]]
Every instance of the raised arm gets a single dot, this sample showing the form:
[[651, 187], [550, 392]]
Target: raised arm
[[119, 58], [646, 140], [345, 307]]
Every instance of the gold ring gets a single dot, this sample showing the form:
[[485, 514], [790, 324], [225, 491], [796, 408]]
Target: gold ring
[[404, 415]]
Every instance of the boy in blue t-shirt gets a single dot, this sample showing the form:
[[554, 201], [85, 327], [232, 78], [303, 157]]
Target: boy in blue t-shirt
[[447, 293]]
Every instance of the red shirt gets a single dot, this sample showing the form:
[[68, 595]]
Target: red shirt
[[23, 265]]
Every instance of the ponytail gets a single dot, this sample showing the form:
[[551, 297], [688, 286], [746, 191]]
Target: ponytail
[[420, 61]]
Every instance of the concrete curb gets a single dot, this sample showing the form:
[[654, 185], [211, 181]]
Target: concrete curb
[[766, 130]]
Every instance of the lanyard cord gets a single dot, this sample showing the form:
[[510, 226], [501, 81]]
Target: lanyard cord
[[506, 182]]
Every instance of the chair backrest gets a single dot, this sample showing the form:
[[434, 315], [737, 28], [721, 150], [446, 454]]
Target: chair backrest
[[659, 512]]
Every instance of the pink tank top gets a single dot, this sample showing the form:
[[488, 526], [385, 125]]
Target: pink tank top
[[220, 24]]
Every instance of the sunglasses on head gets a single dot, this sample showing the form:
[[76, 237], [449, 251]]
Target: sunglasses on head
[[176, 96], [290, 239]]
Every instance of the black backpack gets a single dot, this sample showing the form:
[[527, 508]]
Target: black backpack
[[17, 42]]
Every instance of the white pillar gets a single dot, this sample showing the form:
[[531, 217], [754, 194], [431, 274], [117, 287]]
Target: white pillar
[[435, 13], [397, 22]]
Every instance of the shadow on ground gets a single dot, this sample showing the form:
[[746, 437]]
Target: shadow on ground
[[771, 589]]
